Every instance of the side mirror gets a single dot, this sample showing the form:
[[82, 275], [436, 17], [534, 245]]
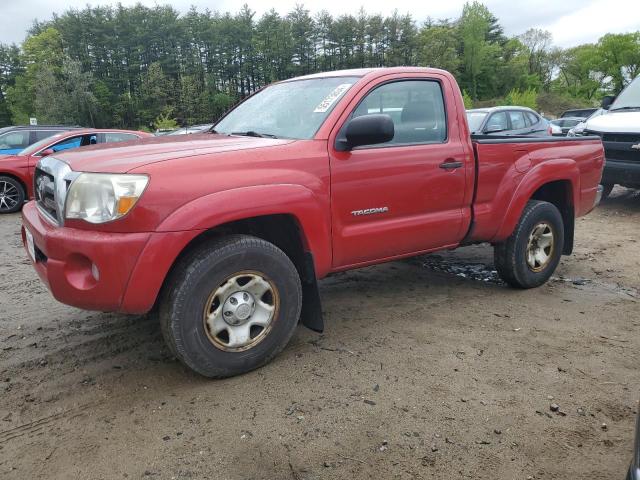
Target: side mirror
[[47, 152], [607, 101], [366, 130]]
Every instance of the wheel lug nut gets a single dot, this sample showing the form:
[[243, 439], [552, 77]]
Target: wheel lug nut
[[227, 314], [245, 296], [233, 300]]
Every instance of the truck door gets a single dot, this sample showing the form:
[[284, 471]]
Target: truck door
[[407, 195]]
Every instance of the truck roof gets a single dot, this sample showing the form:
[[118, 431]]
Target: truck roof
[[365, 72]]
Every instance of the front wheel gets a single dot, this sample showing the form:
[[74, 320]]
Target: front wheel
[[12, 195], [531, 254], [231, 306]]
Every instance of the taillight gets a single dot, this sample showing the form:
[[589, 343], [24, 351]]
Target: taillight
[[550, 130]]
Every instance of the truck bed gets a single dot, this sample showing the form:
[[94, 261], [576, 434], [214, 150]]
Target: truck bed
[[505, 164]]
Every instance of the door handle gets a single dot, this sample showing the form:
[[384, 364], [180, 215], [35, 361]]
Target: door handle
[[450, 164]]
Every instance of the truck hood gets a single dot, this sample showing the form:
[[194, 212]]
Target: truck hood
[[615, 122], [125, 156]]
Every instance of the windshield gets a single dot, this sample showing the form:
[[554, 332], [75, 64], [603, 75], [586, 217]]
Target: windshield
[[629, 98], [475, 119], [287, 110], [33, 148]]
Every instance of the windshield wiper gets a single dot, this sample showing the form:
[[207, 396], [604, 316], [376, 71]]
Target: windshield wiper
[[624, 108], [253, 133]]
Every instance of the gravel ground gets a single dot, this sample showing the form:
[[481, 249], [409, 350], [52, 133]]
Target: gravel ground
[[428, 368]]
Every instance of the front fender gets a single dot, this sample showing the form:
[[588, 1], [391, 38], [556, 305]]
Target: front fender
[[562, 169], [310, 210]]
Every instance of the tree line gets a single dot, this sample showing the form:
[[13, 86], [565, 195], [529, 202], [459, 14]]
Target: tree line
[[145, 67]]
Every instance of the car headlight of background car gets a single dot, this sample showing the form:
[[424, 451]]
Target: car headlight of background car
[[103, 197]]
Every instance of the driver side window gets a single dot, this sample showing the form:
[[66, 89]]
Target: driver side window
[[415, 106]]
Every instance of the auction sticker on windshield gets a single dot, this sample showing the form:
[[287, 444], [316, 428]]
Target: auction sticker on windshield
[[332, 97], [30, 246]]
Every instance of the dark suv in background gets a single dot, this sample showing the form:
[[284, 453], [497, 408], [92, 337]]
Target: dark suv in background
[[579, 112], [16, 139]]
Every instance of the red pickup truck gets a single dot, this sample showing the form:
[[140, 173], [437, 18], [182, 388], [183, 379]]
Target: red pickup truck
[[225, 233]]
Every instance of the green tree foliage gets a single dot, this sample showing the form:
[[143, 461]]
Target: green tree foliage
[[474, 28], [128, 66], [620, 57], [468, 101], [65, 96], [526, 98], [438, 46], [164, 121]]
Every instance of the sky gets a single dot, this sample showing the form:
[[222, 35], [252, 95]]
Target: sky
[[571, 22]]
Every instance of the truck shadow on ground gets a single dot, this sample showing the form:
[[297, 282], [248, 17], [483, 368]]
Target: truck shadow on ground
[[622, 200]]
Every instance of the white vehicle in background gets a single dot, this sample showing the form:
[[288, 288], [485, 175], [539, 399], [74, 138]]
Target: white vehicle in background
[[578, 130], [191, 129], [619, 128]]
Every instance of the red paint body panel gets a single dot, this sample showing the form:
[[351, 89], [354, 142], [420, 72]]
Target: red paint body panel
[[23, 166], [69, 255], [198, 182]]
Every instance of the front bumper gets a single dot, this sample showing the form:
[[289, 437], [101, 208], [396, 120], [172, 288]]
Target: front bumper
[[621, 172], [102, 271], [85, 269]]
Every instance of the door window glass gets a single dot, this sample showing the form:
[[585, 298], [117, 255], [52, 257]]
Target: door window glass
[[517, 120], [14, 140], [533, 119], [111, 137], [498, 122], [75, 142], [415, 106]]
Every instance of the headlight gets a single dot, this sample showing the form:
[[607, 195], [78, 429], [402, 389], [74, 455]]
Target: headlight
[[103, 197]]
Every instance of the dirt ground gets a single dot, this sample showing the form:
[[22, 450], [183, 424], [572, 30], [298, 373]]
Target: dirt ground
[[428, 368]]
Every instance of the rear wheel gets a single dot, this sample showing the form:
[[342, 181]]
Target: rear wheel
[[531, 254], [12, 195], [231, 306]]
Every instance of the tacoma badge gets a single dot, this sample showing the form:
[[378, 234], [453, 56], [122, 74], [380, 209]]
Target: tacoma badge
[[369, 211]]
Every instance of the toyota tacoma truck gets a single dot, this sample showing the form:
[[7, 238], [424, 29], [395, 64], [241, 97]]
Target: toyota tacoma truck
[[224, 234]]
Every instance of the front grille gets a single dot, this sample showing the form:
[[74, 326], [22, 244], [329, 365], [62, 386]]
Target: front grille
[[45, 192], [51, 181], [614, 152], [623, 147]]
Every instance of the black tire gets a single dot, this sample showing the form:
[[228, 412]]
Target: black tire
[[12, 195], [510, 256], [606, 190], [191, 285]]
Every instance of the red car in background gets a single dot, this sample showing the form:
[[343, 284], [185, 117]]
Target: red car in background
[[16, 171]]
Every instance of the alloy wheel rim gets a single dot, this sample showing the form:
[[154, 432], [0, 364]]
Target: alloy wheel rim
[[240, 312], [9, 196], [540, 247]]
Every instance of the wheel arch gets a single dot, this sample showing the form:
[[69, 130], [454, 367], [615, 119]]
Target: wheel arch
[[20, 182], [560, 194], [554, 181], [290, 218], [17, 179]]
